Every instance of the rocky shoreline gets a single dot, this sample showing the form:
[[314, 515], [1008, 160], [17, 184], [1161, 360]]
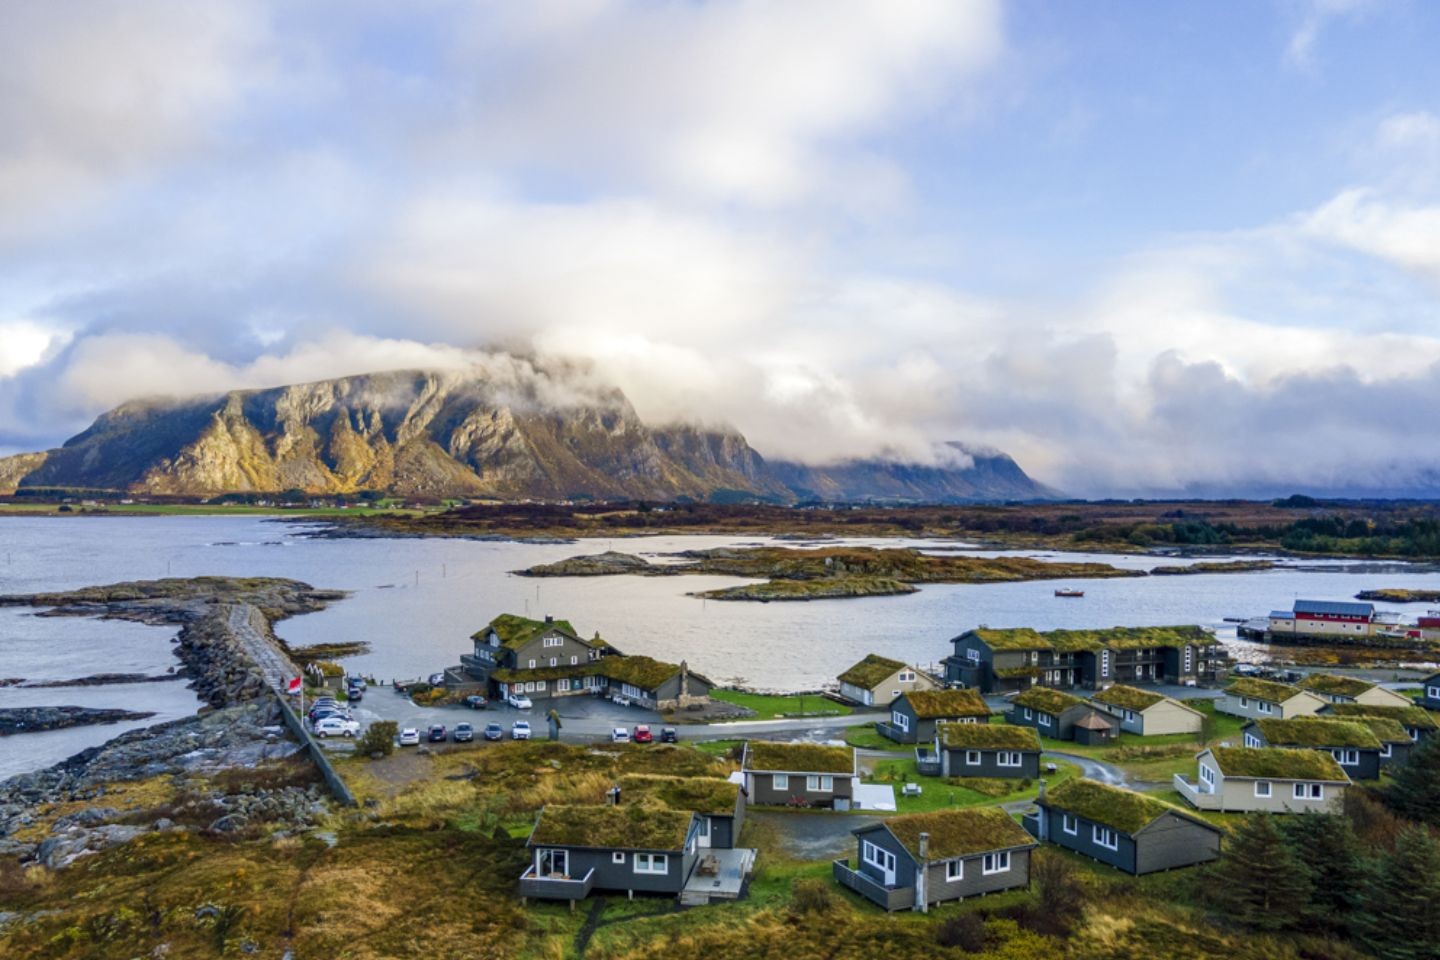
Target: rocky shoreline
[[18, 720]]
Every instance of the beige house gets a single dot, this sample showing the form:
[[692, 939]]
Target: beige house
[[1337, 689], [1265, 779], [876, 681], [1267, 700], [1147, 713]]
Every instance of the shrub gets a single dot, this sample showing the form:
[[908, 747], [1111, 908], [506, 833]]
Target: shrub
[[812, 895], [964, 930], [379, 738], [1058, 890]]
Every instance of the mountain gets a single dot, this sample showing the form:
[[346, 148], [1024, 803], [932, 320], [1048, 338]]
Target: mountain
[[457, 434]]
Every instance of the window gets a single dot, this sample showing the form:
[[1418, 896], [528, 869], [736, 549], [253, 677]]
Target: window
[[972, 758], [574, 660], [996, 862], [1264, 706], [900, 720], [1386, 750], [1008, 758], [1104, 663], [1262, 788], [552, 863], [877, 856], [1244, 701], [1069, 823], [1433, 693], [1105, 837], [1189, 658], [1415, 733], [553, 661], [1309, 791], [972, 655], [617, 857], [652, 863], [1028, 714], [532, 664], [1347, 757], [539, 684], [820, 784], [907, 676], [1045, 720], [955, 870], [1129, 716], [1252, 741], [781, 781], [554, 641], [1207, 775], [631, 691], [562, 685]]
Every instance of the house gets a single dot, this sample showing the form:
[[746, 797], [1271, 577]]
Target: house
[[1430, 687], [1324, 618], [1395, 741], [577, 849], [1147, 713], [914, 716], [1417, 721], [1008, 661], [916, 860], [1268, 780], [987, 750], [1337, 689], [876, 681], [1063, 716], [798, 774], [719, 803], [1130, 831], [1257, 699], [1353, 744], [548, 659]]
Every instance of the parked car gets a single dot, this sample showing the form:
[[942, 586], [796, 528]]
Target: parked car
[[619, 735], [358, 682], [463, 733], [642, 734], [519, 701], [329, 714], [436, 679], [476, 702], [355, 694], [336, 727], [409, 737], [493, 731], [1246, 670], [437, 733], [520, 730], [667, 735]]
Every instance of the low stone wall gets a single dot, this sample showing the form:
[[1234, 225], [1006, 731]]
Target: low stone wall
[[337, 786]]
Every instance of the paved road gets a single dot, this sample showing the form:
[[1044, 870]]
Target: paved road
[[245, 624]]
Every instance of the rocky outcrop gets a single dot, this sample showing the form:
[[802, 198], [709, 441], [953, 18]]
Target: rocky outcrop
[[609, 563], [17, 720]]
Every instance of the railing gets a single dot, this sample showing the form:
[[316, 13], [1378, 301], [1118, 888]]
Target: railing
[[891, 898], [1197, 795], [554, 888], [897, 733], [927, 761]]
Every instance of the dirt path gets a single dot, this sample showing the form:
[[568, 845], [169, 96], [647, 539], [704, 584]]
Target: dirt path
[[247, 623]]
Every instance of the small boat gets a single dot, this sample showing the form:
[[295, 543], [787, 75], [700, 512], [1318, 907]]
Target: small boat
[[1063, 592]]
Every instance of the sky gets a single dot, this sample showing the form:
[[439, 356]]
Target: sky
[[1146, 249]]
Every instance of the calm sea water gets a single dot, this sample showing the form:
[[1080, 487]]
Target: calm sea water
[[417, 602]]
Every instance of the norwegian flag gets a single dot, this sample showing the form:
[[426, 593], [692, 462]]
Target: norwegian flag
[[293, 686]]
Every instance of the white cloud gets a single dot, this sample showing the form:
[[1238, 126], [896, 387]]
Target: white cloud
[[1313, 18]]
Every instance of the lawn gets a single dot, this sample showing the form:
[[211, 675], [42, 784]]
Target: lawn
[[772, 707], [937, 794], [864, 736], [1156, 758]]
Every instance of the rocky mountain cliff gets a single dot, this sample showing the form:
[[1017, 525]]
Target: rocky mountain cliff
[[434, 434], [974, 475]]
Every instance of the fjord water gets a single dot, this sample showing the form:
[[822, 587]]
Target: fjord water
[[417, 601]]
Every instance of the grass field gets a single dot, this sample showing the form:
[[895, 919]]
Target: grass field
[[864, 736], [200, 509], [771, 707], [1156, 758], [938, 794]]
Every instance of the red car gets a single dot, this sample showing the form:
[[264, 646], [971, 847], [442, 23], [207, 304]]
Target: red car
[[642, 734]]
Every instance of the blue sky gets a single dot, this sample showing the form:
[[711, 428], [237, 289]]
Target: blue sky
[[1146, 248]]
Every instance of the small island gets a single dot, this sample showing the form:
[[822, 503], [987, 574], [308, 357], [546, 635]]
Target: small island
[[1399, 595], [1213, 566]]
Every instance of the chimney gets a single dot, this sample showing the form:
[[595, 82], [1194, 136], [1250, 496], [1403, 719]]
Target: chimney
[[922, 900], [549, 619]]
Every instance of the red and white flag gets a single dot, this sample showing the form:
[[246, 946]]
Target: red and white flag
[[293, 686]]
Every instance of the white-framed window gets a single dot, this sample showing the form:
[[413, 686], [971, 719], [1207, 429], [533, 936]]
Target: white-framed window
[[554, 641], [1347, 757], [1433, 693], [1309, 791], [1105, 837], [554, 662], [1104, 663], [1244, 702], [532, 664], [539, 684], [995, 862], [820, 783], [877, 856], [574, 661], [618, 856], [1008, 758], [1189, 659], [1415, 734], [594, 682], [1252, 741], [907, 676], [1264, 706], [562, 685], [652, 863], [955, 870], [1069, 823], [1387, 750], [972, 655], [1207, 775], [1045, 720], [1262, 788], [972, 758], [900, 719], [632, 691], [1028, 714], [781, 781], [893, 694], [527, 687]]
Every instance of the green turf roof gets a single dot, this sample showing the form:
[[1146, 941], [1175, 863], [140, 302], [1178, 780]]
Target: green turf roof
[[935, 704], [626, 827], [957, 833], [643, 672], [772, 756], [1336, 686], [1318, 732], [708, 795], [1416, 716], [1123, 810], [1115, 638], [1385, 729], [987, 736], [1047, 701], [1277, 763], [871, 671], [1261, 689], [1129, 698], [515, 631]]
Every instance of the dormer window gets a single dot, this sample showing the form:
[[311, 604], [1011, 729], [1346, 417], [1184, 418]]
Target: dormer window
[[554, 641]]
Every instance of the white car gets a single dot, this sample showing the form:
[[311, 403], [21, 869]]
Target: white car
[[619, 735], [336, 727], [519, 701], [520, 730], [409, 737]]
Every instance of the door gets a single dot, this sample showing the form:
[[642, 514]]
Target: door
[[552, 863], [702, 835]]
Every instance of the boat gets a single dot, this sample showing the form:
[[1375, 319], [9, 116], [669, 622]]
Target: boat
[[1065, 592]]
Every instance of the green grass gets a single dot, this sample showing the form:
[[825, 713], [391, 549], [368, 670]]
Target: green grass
[[1226, 727], [202, 509], [937, 794], [864, 736], [771, 707], [716, 748]]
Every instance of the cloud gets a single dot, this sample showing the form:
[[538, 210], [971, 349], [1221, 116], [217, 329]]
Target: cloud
[[1314, 17]]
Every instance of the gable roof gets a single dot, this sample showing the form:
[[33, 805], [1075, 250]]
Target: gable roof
[[1385, 729], [873, 670], [708, 795], [1257, 689], [607, 827], [1335, 608], [1416, 716], [515, 631], [769, 756], [1277, 763], [1130, 698], [1046, 700], [1334, 685], [646, 673], [1115, 638], [1317, 732], [987, 736], [934, 704], [1123, 810], [955, 833]]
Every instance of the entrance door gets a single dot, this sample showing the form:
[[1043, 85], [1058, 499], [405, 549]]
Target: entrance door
[[703, 834], [552, 863]]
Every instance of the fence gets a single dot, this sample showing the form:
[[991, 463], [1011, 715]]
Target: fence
[[317, 753]]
